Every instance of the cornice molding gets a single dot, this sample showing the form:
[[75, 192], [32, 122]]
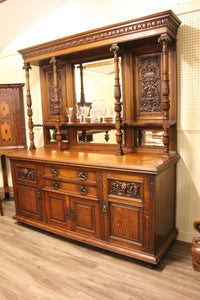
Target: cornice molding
[[165, 22]]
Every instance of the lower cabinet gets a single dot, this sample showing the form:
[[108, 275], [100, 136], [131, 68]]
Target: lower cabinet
[[73, 213], [121, 211], [27, 190]]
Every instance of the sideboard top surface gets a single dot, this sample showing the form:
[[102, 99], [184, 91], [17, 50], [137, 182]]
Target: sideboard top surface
[[133, 162]]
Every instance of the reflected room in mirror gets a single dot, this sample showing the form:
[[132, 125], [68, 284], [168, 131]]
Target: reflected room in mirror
[[94, 91], [150, 138]]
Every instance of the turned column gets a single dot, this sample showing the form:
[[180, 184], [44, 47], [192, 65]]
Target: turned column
[[27, 67], [117, 94], [82, 95], [164, 39], [54, 61]]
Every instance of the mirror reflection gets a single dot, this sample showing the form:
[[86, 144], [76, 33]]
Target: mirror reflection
[[150, 137], [94, 87], [52, 135], [97, 136]]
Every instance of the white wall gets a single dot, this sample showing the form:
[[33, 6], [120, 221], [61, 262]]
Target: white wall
[[77, 16]]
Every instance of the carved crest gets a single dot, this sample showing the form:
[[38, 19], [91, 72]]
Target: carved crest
[[26, 173], [125, 189], [149, 70]]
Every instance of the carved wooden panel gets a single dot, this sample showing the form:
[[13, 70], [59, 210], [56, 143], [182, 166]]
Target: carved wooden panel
[[149, 70], [51, 92], [125, 188], [26, 173]]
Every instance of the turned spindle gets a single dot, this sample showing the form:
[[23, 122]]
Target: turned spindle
[[117, 94], [164, 39], [27, 67]]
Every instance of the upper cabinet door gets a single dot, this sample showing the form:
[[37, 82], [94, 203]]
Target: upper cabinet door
[[47, 92]]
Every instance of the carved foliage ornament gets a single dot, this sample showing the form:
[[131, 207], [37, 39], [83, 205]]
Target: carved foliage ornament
[[149, 69], [125, 189], [130, 28], [51, 92], [26, 173]]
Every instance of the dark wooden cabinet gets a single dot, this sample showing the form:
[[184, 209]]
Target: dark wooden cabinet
[[12, 126], [117, 195]]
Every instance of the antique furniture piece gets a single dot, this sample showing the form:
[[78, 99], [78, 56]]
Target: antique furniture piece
[[12, 126], [114, 191], [196, 247]]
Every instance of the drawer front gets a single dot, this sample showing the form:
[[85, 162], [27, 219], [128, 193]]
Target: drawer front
[[70, 188], [26, 173], [125, 186], [77, 174]]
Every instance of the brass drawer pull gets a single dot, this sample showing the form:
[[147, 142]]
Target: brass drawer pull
[[54, 172], [55, 185], [82, 175], [83, 189], [104, 206]]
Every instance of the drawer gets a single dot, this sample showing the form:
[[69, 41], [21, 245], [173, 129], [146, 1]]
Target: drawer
[[26, 173], [78, 174], [71, 188], [126, 186]]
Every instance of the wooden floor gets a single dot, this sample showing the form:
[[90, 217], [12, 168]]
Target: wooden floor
[[38, 265]]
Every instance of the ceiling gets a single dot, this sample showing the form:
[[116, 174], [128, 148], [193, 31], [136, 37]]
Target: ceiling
[[18, 16]]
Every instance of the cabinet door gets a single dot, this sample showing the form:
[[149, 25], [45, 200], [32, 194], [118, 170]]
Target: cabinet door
[[85, 216], [124, 212], [29, 202], [57, 209], [27, 191]]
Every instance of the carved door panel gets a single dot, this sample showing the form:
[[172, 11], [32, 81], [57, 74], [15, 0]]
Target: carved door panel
[[57, 208], [27, 191], [47, 92], [85, 216], [148, 78], [124, 210]]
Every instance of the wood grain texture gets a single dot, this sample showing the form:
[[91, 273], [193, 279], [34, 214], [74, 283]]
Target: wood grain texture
[[37, 265]]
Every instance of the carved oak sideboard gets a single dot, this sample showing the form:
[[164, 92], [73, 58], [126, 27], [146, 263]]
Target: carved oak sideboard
[[104, 178], [124, 204]]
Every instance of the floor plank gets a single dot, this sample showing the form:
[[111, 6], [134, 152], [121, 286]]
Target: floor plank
[[39, 265]]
